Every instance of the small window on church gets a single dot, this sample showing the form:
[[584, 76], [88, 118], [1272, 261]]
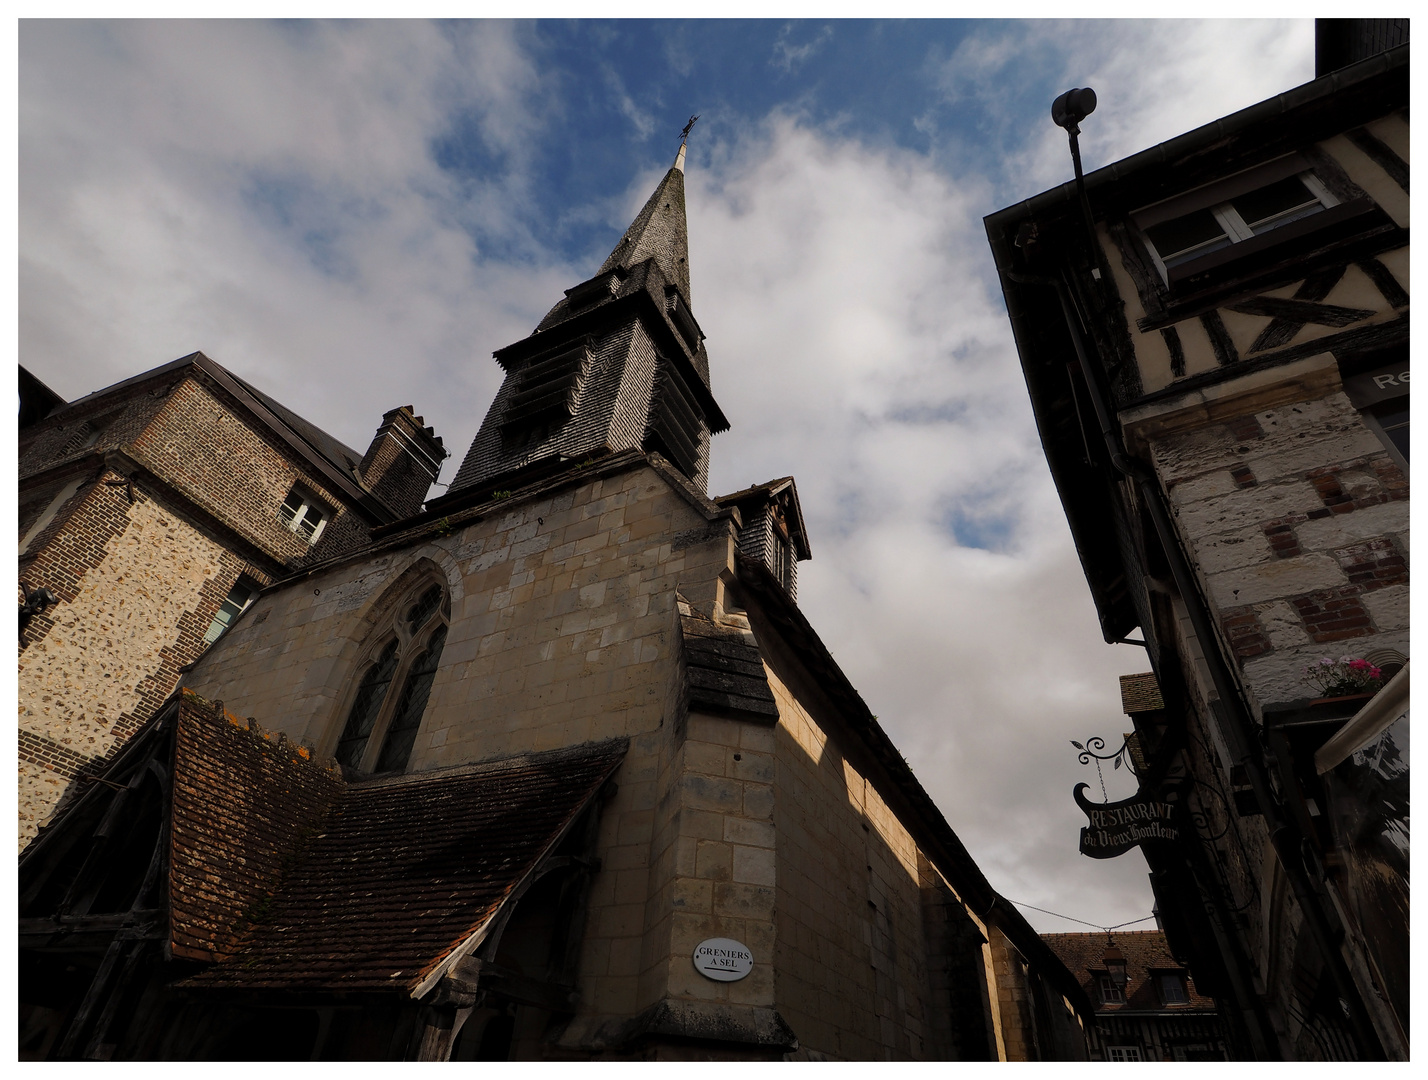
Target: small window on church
[[303, 514], [239, 597], [394, 685]]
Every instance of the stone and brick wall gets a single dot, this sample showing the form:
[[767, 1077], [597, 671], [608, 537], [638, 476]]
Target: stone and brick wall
[[138, 587], [203, 447], [565, 630], [1297, 520], [140, 564]]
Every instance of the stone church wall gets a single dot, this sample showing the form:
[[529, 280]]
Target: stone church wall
[[563, 631]]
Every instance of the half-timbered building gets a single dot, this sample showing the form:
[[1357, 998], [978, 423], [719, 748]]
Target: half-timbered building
[[1214, 333]]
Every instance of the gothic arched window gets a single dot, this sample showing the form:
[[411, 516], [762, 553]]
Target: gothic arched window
[[395, 682]]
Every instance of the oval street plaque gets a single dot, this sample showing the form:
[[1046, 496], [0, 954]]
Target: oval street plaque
[[723, 959]]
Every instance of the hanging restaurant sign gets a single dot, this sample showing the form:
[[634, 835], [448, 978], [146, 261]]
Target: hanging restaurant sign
[[1116, 827]]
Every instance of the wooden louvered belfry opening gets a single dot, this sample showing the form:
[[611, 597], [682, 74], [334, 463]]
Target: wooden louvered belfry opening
[[545, 393], [676, 425]]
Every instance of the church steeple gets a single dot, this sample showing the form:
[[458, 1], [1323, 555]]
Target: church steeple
[[659, 232], [618, 364]]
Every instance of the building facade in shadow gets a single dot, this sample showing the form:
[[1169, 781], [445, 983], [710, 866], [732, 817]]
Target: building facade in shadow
[[1214, 333]]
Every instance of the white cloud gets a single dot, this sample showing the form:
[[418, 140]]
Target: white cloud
[[856, 343], [787, 56], [1154, 79], [282, 212]]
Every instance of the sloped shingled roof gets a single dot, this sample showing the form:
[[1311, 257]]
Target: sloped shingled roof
[[1146, 954], [301, 882], [725, 671], [242, 805], [1140, 693]]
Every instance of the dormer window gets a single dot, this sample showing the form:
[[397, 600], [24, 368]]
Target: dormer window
[[1111, 991], [243, 593], [303, 514], [1172, 988]]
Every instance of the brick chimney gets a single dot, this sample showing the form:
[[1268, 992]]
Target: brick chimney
[[402, 461]]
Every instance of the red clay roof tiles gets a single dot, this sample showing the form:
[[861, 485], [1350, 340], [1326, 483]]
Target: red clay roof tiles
[[362, 887], [1146, 953]]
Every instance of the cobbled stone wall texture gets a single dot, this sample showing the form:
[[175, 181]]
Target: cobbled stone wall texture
[[140, 563], [138, 587]]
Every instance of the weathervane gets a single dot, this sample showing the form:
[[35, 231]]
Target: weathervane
[[684, 135]]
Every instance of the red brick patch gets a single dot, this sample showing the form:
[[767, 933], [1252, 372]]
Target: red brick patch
[[1334, 614], [1246, 635], [1244, 428], [1373, 564], [1243, 477], [1284, 542], [1395, 484]]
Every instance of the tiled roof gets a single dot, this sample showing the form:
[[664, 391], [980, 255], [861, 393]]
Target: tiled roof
[[367, 886], [1146, 954], [1140, 693], [242, 804]]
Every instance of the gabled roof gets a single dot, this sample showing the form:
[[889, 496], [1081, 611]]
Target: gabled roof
[[766, 492], [1147, 955], [294, 880], [334, 460], [37, 400]]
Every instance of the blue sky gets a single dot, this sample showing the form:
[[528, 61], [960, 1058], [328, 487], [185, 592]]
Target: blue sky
[[353, 216]]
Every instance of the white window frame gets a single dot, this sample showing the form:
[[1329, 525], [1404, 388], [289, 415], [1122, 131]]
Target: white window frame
[[250, 592], [1164, 977], [291, 517], [1109, 986], [1219, 198], [1124, 1053]]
